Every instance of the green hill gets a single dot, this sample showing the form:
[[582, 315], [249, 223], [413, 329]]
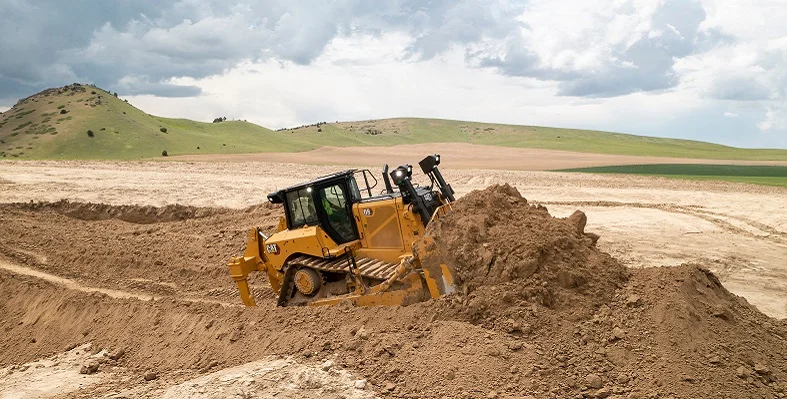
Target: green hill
[[85, 122]]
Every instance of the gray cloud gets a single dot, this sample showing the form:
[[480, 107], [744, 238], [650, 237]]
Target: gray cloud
[[738, 88], [56, 42], [645, 65]]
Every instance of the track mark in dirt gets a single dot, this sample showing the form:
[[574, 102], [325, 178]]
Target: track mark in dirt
[[112, 293], [769, 233], [71, 284]]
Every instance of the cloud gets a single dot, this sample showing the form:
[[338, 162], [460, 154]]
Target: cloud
[[775, 119], [139, 85], [596, 49], [600, 48]]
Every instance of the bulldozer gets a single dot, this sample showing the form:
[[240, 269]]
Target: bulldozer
[[343, 240]]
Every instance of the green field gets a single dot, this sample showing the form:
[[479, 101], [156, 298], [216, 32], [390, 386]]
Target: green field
[[754, 174], [37, 128]]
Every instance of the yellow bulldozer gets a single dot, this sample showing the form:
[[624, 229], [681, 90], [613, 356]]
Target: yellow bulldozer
[[342, 241]]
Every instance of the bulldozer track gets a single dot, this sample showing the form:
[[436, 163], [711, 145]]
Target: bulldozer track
[[369, 267]]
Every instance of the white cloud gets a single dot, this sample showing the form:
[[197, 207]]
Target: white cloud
[[731, 114], [343, 85], [775, 119]]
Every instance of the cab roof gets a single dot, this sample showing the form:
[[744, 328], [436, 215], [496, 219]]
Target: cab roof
[[278, 196]]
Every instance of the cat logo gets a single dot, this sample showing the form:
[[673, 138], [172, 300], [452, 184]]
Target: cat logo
[[272, 248], [367, 212]]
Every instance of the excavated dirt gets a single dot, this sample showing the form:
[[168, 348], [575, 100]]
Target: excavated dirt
[[168, 250], [544, 313], [127, 213], [505, 250]]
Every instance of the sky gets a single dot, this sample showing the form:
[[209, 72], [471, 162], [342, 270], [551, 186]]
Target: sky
[[707, 70]]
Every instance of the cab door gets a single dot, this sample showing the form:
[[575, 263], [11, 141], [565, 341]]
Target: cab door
[[336, 212]]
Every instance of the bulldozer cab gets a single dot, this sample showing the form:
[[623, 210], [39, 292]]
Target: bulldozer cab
[[327, 202]]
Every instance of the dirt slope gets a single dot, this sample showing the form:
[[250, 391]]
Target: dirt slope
[[546, 313]]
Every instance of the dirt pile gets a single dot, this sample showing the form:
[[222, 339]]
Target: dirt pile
[[601, 329], [509, 254]]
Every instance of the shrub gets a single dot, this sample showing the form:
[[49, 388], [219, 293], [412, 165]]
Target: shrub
[[89, 133], [164, 153], [319, 130], [63, 112], [163, 130], [93, 92], [103, 128], [61, 106], [115, 94], [198, 147]]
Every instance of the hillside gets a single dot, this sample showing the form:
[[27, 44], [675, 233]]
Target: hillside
[[54, 124], [85, 122]]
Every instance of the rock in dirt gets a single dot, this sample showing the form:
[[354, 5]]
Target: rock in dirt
[[603, 393], [117, 354], [634, 300], [89, 368], [617, 334], [593, 381], [150, 376], [762, 369], [360, 384], [327, 365], [743, 372], [362, 333]]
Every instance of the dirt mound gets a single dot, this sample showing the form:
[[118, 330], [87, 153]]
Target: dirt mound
[[128, 213], [506, 251]]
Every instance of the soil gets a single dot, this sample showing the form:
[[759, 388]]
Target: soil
[[544, 313]]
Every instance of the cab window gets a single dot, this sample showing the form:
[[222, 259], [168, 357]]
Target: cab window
[[334, 201], [354, 190], [301, 208]]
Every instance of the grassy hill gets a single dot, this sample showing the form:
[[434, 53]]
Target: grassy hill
[[85, 122]]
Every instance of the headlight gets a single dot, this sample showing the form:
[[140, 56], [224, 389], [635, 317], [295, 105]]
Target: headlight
[[401, 173], [429, 163]]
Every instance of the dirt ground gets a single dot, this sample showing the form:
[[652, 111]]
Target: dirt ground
[[739, 230], [152, 280]]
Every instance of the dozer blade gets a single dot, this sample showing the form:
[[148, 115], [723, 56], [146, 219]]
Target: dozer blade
[[438, 275]]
